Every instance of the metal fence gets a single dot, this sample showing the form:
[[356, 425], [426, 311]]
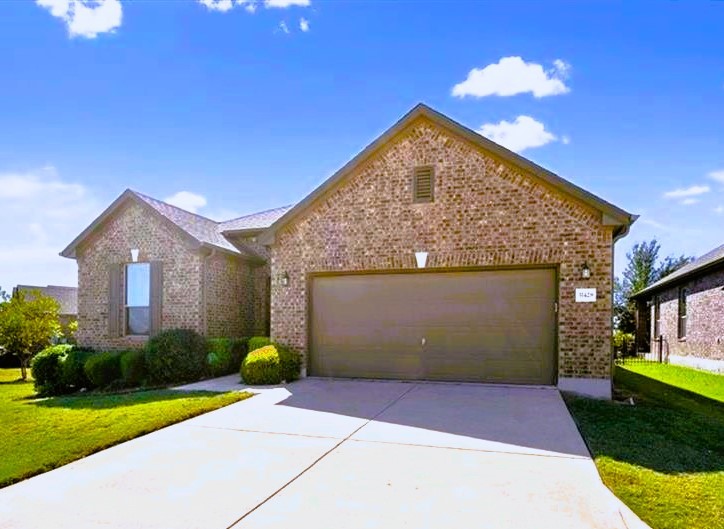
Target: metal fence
[[658, 354]]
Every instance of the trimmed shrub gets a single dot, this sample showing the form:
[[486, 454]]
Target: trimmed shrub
[[290, 363], [133, 368], [103, 369], [218, 360], [261, 366], [177, 355], [73, 377], [239, 350], [47, 368], [257, 342]]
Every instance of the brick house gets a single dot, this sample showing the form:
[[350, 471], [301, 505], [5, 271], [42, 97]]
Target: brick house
[[437, 254], [433, 254], [144, 265], [682, 315]]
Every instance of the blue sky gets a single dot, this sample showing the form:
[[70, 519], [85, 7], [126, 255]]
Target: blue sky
[[245, 110]]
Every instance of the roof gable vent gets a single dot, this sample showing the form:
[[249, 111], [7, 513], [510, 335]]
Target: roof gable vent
[[423, 184]]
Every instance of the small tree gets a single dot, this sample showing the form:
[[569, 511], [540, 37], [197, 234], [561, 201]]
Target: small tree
[[27, 326], [642, 270]]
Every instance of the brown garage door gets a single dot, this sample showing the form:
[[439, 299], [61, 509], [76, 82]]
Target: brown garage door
[[492, 326]]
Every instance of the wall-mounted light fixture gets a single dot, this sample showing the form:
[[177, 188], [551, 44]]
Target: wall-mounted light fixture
[[421, 258], [585, 271], [284, 279], [134, 255]]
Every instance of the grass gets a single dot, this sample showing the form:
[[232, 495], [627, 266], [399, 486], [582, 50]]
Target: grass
[[38, 435], [707, 384], [663, 456]]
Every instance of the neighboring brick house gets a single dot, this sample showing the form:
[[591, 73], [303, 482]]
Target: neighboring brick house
[[144, 265], [437, 254], [686, 314], [67, 298]]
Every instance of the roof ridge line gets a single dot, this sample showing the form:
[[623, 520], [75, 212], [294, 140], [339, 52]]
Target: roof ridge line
[[143, 195], [256, 213]]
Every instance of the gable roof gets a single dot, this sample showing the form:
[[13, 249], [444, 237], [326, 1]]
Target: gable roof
[[197, 229], [255, 221], [611, 215], [708, 261], [67, 297]]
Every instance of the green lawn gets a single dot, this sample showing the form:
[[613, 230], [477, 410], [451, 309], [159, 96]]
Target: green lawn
[[704, 383], [663, 456], [39, 435]]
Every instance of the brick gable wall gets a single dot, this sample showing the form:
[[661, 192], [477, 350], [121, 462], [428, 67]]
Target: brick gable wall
[[486, 213], [213, 293]]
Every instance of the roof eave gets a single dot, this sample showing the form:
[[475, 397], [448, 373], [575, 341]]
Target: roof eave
[[667, 282]]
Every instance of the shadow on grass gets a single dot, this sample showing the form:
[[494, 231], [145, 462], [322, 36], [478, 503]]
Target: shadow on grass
[[15, 382], [101, 401], [668, 430]]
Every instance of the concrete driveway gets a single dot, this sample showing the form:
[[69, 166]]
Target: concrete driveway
[[339, 453]]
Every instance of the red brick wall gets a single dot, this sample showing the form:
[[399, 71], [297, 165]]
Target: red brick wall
[[485, 213], [705, 315]]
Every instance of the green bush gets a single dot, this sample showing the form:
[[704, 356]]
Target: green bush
[[47, 369], [624, 343], [289, 363], [261, 366], [272, 364], [104, 369], [239, 350], [177, 355], [225, 355], [218, 360], [133, 368], [257, 342], [73, 377]]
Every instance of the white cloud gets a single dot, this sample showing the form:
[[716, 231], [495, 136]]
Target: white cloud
[[218, 5], [86, 18], [286, 3], [304, 24], [690, 201], [687, 192], [283, 26], [719, 210], [511, 76], [717, 175], [40, 213], [187, 200], [249, 5], [523, 133]]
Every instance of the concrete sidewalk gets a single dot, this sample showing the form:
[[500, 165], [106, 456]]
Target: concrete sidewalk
[[339, 453]]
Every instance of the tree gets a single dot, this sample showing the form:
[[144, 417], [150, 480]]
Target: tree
[[27, 326], [643, 269]]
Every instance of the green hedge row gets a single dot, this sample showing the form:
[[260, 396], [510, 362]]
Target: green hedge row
[[173, 356]]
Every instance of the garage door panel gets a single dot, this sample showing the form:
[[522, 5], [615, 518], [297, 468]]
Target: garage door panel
[[481, 326]]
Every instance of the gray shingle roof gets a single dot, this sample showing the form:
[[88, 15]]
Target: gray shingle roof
[[716, 256], [199, 228], [260, 220], [67, 297], [203, 229]]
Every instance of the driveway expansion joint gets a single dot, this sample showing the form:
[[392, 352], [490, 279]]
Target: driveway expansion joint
[[324, 455]]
